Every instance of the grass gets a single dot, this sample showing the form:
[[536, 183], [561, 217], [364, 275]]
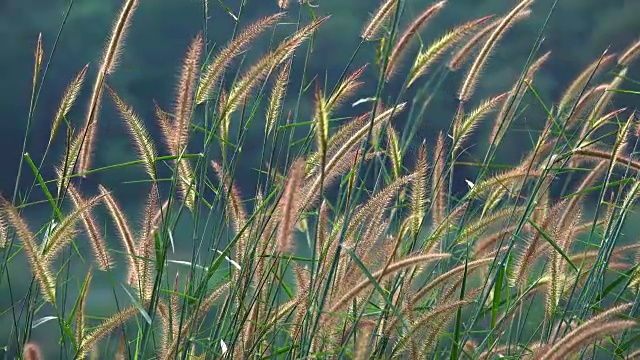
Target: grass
[[357, 241]]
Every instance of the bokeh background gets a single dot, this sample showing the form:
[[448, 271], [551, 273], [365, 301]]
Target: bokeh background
[[577, 34]]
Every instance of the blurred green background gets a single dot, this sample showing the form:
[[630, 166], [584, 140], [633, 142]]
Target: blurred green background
[[578, 32]]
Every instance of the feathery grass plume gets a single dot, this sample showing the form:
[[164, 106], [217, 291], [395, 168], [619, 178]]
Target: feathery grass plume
[[289, 204], [630, 54], [587, 337], [237, 46], [183, 110], [482, 247], [65, 231], [243, 87], [201, 309], [86, 138], [469, 84], [376, 131], [389, 270], [311, 190], [90, 340], [370, 216], [527, 256], [335, 304], [39, 267], [556, 269], [126, 236], [478, 226], [107, 67], [594, 153], [234, 209], [621, 142], [225, 123], [602, 120], [418, 194], [463, 129], [145, 251], [321, 122], [509, 107], [303, 283], [585, 332], [32, 351], [183, 107], [456, 274], [173, 328], [440, 311], [362, 350], [68, 163], [337, 140], [440, 227], [634, 355], [141, 138], [444, 319], [401, 45], [277, 95], [463, 54], [505, 180], [68, 99], [4, 232], [375, 22], [80, 310], [38, 55], [590, 96], [346, 88], [394, 152], [594, 118], [167, 317], [149, 222], [581, 191], [186, 183], [424, 59], [581, 81], [438, 193], [165, 120]]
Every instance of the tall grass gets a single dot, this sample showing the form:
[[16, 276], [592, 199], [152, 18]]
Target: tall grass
[[357, 241]]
